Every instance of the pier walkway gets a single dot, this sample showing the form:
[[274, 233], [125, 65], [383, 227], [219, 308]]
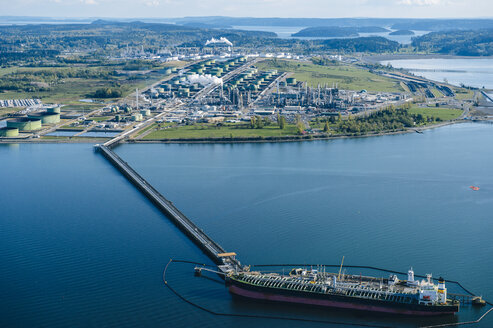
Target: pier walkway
[[487, 96], [225, 261]]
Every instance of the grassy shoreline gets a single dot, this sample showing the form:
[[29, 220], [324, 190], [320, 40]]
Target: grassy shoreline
[[385, 57], [237, 140], [298, 138]]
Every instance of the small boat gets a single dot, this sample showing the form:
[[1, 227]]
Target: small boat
[[474, 188]]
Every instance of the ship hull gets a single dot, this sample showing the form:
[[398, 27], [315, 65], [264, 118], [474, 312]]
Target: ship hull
[[333, 301]]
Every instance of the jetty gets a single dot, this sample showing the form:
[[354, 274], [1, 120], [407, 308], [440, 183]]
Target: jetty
[[226, 261]]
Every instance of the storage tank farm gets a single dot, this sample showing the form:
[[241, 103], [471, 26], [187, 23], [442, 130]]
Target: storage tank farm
[[46, 117], [25, 123]]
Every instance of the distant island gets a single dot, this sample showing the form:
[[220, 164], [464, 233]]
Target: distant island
[[402, 32], [205, 25], [336, 31], [459, 43]]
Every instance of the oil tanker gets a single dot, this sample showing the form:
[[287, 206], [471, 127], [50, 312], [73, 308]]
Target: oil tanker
[[316, 287]]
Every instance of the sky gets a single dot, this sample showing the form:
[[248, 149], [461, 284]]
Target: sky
[[250, 8]]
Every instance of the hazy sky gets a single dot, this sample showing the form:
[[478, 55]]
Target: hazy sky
[[253, 8]]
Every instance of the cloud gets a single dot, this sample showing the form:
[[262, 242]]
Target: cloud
[[422, 2], [152, 3]]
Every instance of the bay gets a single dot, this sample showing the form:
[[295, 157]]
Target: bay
[[82, 247], [474, 71]]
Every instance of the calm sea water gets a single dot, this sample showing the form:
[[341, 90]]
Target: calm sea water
[[285, 32], [82, 247], [475, 72], [62, 133]]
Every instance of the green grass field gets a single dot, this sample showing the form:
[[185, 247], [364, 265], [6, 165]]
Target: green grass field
[[100, 118], [206, 130], [346, 76], [464, 94], [69, 91], [436, 93], [4, 111], [445, 114]]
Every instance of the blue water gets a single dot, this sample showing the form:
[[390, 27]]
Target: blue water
[[100, 134], [62, 133], [82, 247], [475, 72], [285, 32]]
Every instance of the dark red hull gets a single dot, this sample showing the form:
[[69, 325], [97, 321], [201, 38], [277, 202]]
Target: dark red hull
[[367, 305]]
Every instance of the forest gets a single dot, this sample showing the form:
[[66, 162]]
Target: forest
[[460, 43]]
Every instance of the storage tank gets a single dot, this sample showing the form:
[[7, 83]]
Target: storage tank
[[291, 80], [137, 117], [9, 132], [45, 117], [184, 92], [54, 109], [145, 112], [216, 70], [24, 124]]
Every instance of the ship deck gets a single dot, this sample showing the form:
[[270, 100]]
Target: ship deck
[[347, 285]]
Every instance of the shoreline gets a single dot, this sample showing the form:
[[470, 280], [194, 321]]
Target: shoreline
[[236, 140], [288, 138], [378, 58]]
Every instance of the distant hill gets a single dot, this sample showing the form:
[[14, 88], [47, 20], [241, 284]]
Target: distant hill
[[204, 25], [395, 23], [402, 32], [462, 43], [374, 44], [335, 31], [105, 35], [443, 24]]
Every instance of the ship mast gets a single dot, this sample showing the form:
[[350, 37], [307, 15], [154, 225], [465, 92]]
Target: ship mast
[[340, 269]]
